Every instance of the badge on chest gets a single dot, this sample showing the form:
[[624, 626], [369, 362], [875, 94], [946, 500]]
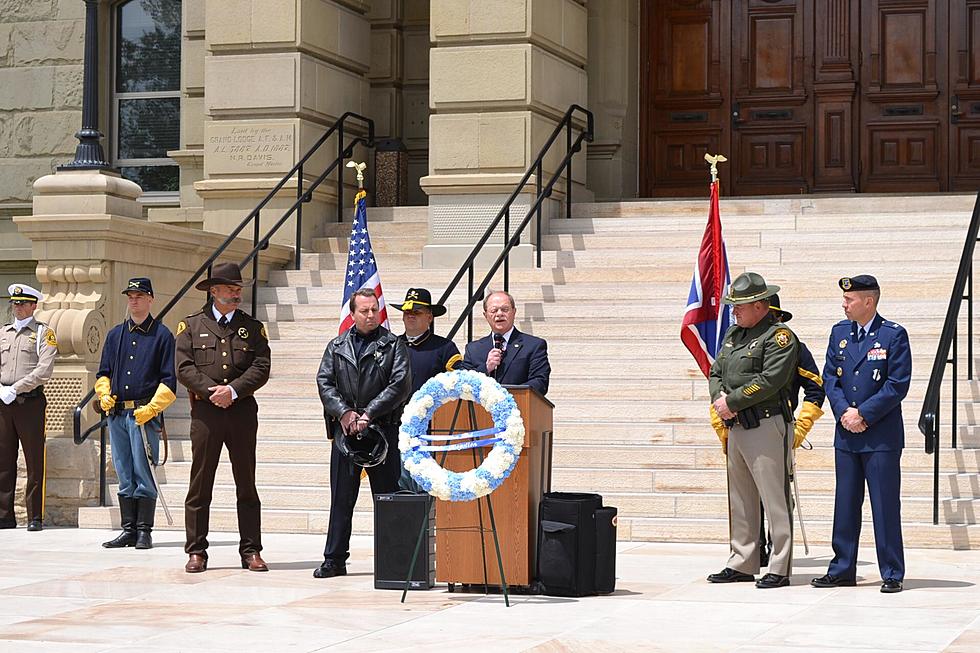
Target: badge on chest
[[877, 354]]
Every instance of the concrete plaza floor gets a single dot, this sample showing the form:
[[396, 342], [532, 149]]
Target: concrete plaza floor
[[60, 591]]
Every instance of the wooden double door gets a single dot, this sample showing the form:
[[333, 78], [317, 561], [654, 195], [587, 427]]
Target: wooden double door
[[810, 95]]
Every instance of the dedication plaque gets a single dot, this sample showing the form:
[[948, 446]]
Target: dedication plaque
[[248, 147]]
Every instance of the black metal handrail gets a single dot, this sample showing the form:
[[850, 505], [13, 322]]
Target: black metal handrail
[[929, 417], [573, 144], [303, 195]]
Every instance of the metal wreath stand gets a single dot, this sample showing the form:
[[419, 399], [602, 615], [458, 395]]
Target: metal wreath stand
[[480, 528]]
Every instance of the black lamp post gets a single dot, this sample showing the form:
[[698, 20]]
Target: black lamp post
[[89, 154]]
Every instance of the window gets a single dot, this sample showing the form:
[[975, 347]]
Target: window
[[146, 93]]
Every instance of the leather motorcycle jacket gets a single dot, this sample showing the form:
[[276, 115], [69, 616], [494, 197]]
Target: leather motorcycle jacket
[[378, 382]]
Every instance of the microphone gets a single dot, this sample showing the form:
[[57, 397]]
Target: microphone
[[498, 344]]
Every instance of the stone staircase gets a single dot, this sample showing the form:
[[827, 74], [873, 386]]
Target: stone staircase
[[631, 407]]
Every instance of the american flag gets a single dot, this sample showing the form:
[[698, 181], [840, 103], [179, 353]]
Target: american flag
[[362, 270], [706, 319]]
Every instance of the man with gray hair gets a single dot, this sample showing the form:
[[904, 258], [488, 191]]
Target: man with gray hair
[[508, 355]]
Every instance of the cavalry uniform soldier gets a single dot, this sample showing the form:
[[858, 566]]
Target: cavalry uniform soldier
[[750, 382], [867, 374], [430, 353], [135, 384], [27, 352], [809, 381], [222, 358]]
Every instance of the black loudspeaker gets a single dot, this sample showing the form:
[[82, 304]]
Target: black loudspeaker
[[397, 520], [576, 545]]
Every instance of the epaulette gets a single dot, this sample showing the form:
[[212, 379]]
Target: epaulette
[[893, 325]]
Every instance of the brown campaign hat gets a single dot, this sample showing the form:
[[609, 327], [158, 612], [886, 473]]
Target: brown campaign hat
[[749, 287], [224, 274]]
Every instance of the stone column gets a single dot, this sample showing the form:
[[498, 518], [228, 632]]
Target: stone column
[[502, 73], [613, 92], [88, 237], [277, 74]]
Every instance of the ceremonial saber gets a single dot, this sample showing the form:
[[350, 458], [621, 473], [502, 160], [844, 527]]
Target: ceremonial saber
[[799, 508], [156, 482]]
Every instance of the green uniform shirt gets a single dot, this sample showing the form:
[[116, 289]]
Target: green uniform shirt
[[754, 364]]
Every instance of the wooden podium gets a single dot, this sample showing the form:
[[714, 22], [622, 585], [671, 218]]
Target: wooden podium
[[459, 557]]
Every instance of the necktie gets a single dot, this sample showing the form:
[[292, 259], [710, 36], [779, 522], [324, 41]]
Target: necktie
[[861, 334], [223, 322]]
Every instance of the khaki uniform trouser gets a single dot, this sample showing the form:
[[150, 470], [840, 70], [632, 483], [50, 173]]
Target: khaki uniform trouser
[[759, 463]]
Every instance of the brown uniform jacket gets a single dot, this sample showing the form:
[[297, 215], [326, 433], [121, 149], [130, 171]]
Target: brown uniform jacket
[[207, 354]]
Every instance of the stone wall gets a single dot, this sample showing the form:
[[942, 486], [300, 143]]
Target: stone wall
[[41, 51]]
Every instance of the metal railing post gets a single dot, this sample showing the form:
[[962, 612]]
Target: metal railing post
[[299, 214], [506, 239], [469, 305], [340, 173], [935, 473], [969, 321], [255, 267], [568, 176], [538, 216], [956, 367]]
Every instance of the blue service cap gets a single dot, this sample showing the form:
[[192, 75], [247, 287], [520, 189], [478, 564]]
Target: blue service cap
[[860, 282], [141, 284]]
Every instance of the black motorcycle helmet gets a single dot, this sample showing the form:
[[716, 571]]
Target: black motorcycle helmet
[[366, 449]]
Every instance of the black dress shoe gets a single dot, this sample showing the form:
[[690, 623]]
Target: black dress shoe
[[729, 575], [35, 525], [770, 581], [891, 586], [8, 523], [329, 569], [832, 581]]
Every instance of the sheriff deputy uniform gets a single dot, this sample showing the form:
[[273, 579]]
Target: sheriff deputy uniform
[[27, 352]]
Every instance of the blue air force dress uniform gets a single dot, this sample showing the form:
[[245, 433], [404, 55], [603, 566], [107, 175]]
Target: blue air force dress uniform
[[136, 382], [430, 354], [871, 374]]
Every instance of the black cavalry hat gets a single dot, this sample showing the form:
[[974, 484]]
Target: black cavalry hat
[[420, 298], [224, 274], [141, 284], [785, 316]]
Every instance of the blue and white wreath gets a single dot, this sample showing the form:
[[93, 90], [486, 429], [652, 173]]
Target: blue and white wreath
[[416, 446]]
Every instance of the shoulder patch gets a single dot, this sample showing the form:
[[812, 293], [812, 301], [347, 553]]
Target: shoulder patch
[[265, 334], [181, 327], [783, 337], [50, 338]]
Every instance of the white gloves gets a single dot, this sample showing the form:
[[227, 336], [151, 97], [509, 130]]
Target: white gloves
[[7, 394]]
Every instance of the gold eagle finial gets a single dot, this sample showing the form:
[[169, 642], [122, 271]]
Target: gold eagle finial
[[359, 167], [714, 160]]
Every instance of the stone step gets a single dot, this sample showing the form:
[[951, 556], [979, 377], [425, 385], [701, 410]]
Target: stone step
[[672, 529], [341, 244], [914, 484], [380, 229], [646, 222]]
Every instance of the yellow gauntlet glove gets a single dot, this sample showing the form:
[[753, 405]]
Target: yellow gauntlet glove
[[162, 398], [719, 426], [103, 386], [809, 413]]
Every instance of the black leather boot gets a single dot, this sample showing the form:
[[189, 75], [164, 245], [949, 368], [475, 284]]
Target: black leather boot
[[127, 514], [145, 509]]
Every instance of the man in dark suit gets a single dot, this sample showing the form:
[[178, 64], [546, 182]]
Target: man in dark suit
[[866, 376], [509, 356]]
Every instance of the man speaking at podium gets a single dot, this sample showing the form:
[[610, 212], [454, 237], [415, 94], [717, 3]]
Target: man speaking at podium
[[509, 356]]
